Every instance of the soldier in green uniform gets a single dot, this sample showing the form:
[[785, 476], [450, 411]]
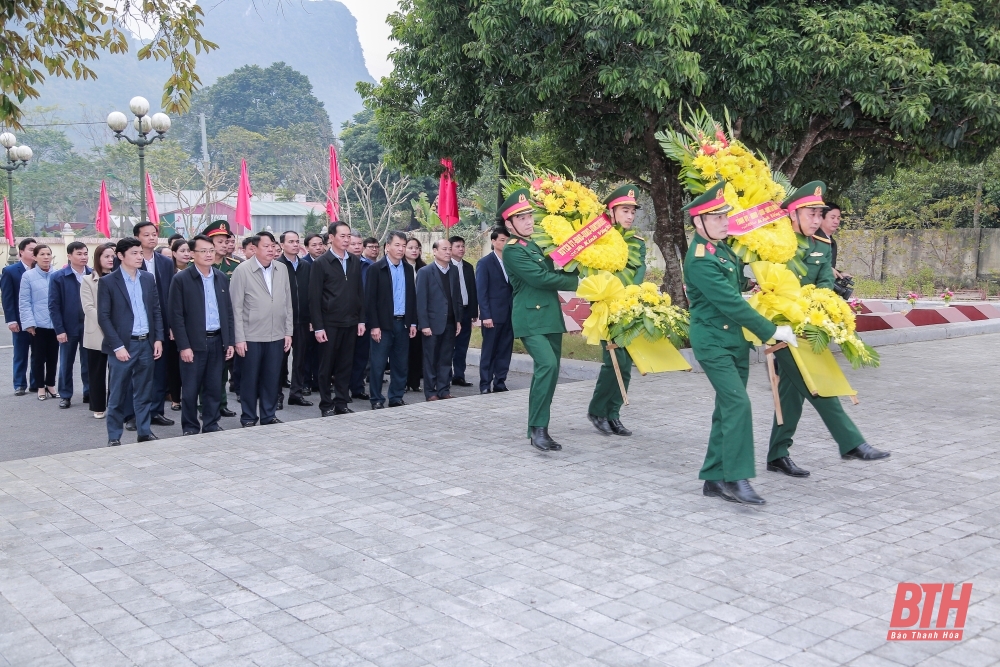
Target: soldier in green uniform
[[714, 279], [536, 314], [220, 234], [605, 406], [805, 208]]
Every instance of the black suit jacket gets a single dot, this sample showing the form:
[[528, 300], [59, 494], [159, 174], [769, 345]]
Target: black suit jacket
[[114, 310], [10, 290], [469, 271], [187, 309], [495, 293], [298, 282], [432, 301], [335, 299], [379, 307]]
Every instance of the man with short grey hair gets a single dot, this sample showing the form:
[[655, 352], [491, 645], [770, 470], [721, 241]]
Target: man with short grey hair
[[439, 315]]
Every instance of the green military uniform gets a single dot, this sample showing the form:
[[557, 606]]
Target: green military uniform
[[713, 275], [607, 400], [227, 266], [536, 314], [815, 253]]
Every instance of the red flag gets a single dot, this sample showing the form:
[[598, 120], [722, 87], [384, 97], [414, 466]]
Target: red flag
[[448, 195], [332, 193], [151, 213], [243, 223], [103, 220], [8, 223]]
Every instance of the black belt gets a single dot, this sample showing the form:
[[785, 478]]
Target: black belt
[[398, 317], [213, 334], [142, 337]]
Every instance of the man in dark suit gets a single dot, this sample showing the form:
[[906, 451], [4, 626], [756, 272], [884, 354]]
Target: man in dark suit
[[10, 289], [201, 317], [391, 311], [495, 299], [337, 312], [470, 309], [128, 312], [66, 312], [162, 270], [362, 346], [439, 309], [315, 247], [298, 278]]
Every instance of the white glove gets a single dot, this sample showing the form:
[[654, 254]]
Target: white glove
[[785, 333]]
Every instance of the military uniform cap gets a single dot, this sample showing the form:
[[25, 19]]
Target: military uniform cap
[[711, 201], [518, 201], [622, 196], [809, 195], [217, 227]]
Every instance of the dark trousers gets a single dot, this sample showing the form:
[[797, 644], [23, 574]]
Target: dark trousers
[[44, 356], [300, 342], [336, 359], [439, 350], [362, 350], [131, 383], [158, 392], [415, 366], [494, 358], [173, 356], [461, 347], [394, 348], [312, 362], [260, 381], [97, 362], [67, 358], [200, 377], [22, 351]]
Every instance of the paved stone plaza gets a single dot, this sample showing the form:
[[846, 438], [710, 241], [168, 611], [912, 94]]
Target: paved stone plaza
[[433, 535]]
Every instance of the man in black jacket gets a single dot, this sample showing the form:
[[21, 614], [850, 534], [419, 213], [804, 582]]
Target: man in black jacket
[[439, 308], [391, 311], [201, 318], [470, 309], [337, 313], [298, 279]]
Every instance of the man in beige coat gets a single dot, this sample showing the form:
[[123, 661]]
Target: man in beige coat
[[262, 311]]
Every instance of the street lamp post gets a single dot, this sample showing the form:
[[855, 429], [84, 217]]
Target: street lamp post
[[17, 157], [144, 124]]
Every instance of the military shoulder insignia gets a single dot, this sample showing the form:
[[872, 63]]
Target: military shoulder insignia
[[512, 242], [636, 236], [699, 250], [823, 239], [522, 242]]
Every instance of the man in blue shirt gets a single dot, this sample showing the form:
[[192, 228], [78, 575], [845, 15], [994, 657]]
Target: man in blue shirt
[[391, 310], [10, 289]]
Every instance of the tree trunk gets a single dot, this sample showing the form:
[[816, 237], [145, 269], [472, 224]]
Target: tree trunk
[[667, 195]]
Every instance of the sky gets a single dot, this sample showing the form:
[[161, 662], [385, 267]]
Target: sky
[[374, 33]]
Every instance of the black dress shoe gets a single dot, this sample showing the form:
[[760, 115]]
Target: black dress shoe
[[130, 424], [226, 412], [540, 438], [299, 401], [281, 402], [865, 452], [378, 406], [600, 423], [360, 395], [147, 438], [20, 392], [343, 411], [176, 407], [273, 421], [248, 424], [500, 388], [717, 489], [460, 382], [787, 466], [160, 420], [190, 432], [618, 428], [64, 403], [114, 443], [214, 430], [744, 493], [397, 404], [307, 392], [327, 413]]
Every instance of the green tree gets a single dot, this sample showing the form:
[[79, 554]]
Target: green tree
[[817, 85], [57, 183]]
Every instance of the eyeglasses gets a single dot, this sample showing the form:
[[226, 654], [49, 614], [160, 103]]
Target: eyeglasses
[[206, 251]]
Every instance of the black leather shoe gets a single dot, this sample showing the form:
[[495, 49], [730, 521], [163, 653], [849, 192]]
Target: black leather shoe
[[787, 466], [160, 420], [396, 404], [215, 430], [273, 421], [744, 493], [64, 403], [540, 439], [281, 402], [460, 382], [618, 428], [307, 392], [114, 443], [226, 412], [130, 424], [248, 424], [176, 407], [342, 411], [327, 413], [20, 392], [300, 401], [360, 395], [600, 423], [190, 432], [717, 489], [865, 452], [378, 406], [147, 438], [500, 388]]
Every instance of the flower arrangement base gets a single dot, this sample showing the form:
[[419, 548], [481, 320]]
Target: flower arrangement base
[[983, 311], [882, 321], [820, 371], [947, 315], [658, 357]]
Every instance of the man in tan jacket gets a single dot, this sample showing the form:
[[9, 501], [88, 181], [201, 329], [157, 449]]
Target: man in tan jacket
[[262, 310]]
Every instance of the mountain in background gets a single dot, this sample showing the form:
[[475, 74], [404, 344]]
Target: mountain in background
[[317, 38]]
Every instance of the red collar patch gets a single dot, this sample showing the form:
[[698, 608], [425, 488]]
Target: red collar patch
[[710, 248], [522, 242]]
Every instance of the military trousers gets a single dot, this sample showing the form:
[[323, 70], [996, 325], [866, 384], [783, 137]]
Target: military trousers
[[792, 393], [545, 351], [730, 444], [607, 400]]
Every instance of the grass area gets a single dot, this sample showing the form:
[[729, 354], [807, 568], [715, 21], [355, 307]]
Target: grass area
[[924, 283], [574, 346]]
